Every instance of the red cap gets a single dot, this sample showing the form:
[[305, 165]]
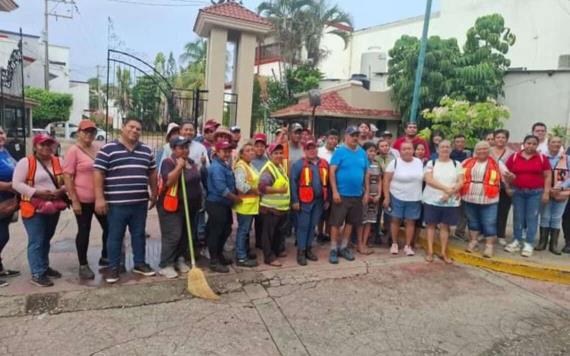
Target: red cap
[[260, 137], [87, 124], [273, 147], [212, 122], [222, 145], [309, 143], [43, 138]]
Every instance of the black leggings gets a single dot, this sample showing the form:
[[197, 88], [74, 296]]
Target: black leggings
[[566, 224], [218, 229], [505, 202], [4, 235], [84, 230]]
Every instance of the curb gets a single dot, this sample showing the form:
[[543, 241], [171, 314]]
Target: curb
[[541, 272]]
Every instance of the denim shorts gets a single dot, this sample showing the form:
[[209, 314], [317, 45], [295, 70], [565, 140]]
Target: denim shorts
[[482, 218], [447, 215], [407, 210]]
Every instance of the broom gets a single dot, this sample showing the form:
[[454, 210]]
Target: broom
[[197, 284]]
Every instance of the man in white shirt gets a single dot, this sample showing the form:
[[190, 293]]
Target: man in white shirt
[[198, 152], [326, 151]]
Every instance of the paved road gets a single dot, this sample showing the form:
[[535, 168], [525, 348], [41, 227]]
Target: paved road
[[404, 309]]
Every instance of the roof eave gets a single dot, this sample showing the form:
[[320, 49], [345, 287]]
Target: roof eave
[[205, 22]]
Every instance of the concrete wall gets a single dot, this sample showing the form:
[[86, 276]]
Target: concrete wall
[[536, 96], [80, 93]]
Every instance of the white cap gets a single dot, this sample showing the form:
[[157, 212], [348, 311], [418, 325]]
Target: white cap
[[171, 127], [373, 128]]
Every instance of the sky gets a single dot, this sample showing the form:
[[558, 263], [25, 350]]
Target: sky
[[146, 30]]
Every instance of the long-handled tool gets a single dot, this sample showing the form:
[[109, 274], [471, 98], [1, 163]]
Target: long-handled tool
[[197, 284]]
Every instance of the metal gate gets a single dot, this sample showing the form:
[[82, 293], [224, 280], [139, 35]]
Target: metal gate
[[136, 89]]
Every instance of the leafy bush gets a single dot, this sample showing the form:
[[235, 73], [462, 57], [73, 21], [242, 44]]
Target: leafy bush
[[52, 106]]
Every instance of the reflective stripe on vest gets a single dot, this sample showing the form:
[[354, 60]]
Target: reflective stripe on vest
[[27, 210], [491, 180], [250, 202], [306, 192], [276, 201], [170, 203]]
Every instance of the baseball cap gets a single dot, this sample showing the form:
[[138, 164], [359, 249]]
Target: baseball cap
[[212, 122], [373, 128], [172, 126], [260, 137], [223, 145], [273, 147], [222, 130], [235, 129], [296, 127], [86, 124], [309, 143], [351, 130], [387, 133], [43, 138], [178, 141]]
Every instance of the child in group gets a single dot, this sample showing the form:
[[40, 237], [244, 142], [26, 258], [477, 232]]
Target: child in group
[[373, 182]]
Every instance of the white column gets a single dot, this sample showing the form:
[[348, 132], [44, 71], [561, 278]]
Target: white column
[[216, 74], [244, 82]]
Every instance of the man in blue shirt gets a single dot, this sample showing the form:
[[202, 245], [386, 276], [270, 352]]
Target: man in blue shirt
[[309, 184], [221, 196], [348, 169]]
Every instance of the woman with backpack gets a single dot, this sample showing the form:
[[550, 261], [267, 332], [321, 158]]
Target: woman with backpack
[[441, 198], [39, 179]]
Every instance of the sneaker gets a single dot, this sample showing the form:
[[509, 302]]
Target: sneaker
[[311, 255], [3, 283], [42, 281], [249, 263], [394, 249], [168, 272], [346, 253], [527, 250], [8, 273], [145, 270], [220, 268], [472, 246], [85, 272], [103, 262], [52, 273], [225, 261], [408, 251], [488, 253], [112, 276], [182, 267], [302, 258], [566, 249], [514, 246], [502, 241], [333, 257]]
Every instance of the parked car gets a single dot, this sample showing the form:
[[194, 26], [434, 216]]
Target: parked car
[[68, 130], [39, 131]]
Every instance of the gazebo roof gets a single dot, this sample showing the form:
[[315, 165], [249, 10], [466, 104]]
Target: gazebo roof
[[232, 15], [235, 11]]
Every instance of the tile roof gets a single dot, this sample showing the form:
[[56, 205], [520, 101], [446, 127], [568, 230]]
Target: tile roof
[[332, 104], [236, 11]]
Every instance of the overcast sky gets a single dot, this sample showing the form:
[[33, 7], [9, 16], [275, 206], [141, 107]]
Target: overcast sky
[[147, 30]]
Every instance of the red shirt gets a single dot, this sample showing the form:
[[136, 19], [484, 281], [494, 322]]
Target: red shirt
[[529, 172], [416, 141]]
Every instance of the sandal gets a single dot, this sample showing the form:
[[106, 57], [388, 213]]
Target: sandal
[[429, 258], [447, 260], [275, 263], [472, 246], [365, 252], [9, 273]]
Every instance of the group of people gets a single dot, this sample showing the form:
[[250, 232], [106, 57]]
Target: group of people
[[366, 186]]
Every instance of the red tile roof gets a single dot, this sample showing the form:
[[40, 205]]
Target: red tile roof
[[332, 104], [235, 11]]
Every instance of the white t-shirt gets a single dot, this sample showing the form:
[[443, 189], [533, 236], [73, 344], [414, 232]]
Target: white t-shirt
[[197, 150], [407, 180], [325, 154], [445, 173]]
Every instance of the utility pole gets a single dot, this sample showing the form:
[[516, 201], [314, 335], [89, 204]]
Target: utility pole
[[420, 68], [47, 14], [98, 91]]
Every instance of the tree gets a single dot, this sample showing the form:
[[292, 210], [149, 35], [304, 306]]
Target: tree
[[159, 63], [52, 106], [483, 64], [303, 78], [194, 52], [171, 69], [318, 17], [437, 78], [146, 100], [94, 93], [463, 117], [122, 93]]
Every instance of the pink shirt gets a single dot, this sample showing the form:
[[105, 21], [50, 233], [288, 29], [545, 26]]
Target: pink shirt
[[42, 180], [79, 165]]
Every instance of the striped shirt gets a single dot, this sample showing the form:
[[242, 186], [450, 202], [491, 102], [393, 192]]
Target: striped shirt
[[476, 193], [126, 172]]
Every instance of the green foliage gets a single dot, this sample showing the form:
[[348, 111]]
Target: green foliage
[[474, 75], [303, 78], [470, 119], [52, 106], [146, 99], [560, 131], [277, 96]]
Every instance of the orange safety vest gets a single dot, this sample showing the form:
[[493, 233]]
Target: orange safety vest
[[27, 209], [491, 181], [306, 192], [170, 202]]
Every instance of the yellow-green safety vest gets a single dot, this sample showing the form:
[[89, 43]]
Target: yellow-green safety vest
[[279, 202], [250, 202]]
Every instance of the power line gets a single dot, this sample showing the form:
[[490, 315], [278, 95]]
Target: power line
[[190, 3]]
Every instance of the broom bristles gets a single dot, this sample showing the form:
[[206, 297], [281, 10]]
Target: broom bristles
[[198, 286]]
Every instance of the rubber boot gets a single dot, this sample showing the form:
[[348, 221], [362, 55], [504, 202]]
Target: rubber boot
[[553, 247], [541, 246]]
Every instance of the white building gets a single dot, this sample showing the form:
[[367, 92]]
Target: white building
[[542, 46], [59, 69]]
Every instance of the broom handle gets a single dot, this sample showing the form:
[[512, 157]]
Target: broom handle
[[187, 216]]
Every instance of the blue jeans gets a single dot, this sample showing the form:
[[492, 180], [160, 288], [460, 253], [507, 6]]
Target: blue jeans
[[119, 217], [551, 214], [482, 218], [40, 229], [526, 205], [307, 219], [244, 225]]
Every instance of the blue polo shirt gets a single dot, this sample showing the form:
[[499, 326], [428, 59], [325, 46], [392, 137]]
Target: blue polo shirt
[[126, 172], [351, 169]]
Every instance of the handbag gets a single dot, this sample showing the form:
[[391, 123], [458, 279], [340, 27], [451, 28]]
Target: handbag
[[8, 207], [66, 201]]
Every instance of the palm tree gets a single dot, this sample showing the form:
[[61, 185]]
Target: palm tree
[[123, 91], [318, 18], [194, 51]]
